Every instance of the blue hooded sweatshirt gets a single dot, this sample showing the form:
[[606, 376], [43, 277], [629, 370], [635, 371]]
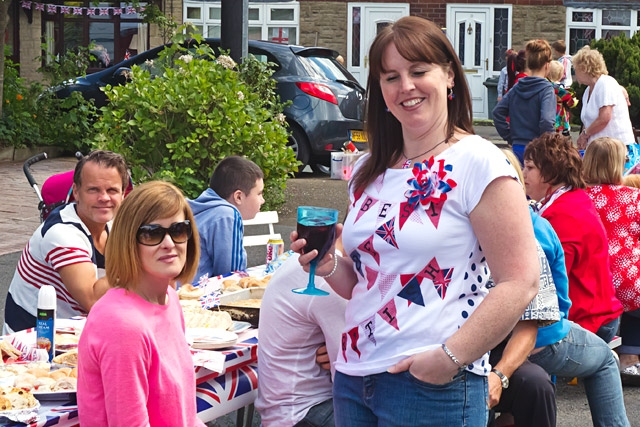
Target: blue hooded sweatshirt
[[531, 108], [221, 231]]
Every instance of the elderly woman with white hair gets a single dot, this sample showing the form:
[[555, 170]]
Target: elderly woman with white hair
[[604, 108]]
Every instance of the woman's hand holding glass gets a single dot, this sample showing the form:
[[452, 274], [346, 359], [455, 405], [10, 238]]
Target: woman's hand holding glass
[[324, 265]]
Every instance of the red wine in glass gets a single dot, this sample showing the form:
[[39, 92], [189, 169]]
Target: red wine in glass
[[318, 227]]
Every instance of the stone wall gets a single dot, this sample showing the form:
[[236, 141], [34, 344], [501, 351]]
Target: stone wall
[[324, 24], [30, 41], [534, 22]]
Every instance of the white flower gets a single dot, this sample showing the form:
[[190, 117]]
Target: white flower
[[280, 118], [240, 95], [226, 61], [149, 62], [186, 58]]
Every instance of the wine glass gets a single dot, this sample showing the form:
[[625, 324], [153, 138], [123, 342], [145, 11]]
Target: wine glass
[[318, 227]]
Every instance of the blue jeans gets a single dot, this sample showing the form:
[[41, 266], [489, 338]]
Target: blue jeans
[[609, 330], [584, 355], [320, 415], [401, 400], [518, 150], [630, 332]]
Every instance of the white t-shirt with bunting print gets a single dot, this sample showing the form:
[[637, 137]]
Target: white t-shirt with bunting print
[[421, 272]]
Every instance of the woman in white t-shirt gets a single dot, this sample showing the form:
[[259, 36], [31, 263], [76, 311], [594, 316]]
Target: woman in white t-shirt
[[604, 108], [432, 208]]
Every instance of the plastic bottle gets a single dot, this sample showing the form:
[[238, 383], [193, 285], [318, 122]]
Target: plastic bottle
[[46, 319]]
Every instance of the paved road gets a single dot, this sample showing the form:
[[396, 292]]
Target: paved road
[[19, 218]]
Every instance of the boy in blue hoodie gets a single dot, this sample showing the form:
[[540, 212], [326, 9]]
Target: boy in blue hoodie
[[234, 194], [529, 108]]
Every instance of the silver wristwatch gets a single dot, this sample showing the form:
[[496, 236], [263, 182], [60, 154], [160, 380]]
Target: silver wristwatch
[[503, 378]]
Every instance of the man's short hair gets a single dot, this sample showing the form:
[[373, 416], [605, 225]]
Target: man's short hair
[[559, 46], [234, 173], [106, 159]]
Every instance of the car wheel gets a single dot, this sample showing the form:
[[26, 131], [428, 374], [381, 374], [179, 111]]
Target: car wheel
[[320, 168], [300, 145]]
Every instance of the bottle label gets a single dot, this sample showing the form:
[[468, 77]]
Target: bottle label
[[45, 330]]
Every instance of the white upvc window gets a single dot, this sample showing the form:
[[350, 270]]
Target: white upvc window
[[584, 25], [278, 22]]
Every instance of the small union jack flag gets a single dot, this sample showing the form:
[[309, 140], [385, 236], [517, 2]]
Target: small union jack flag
[[104, 11], [117, 11], [387, 232], [39, 6], [78, 10], [66, 10], [91, 11], [131, 10], [26, 5], [127, 54], [52, 8]]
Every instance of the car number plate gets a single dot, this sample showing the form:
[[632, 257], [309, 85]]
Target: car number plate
[[358, 136]]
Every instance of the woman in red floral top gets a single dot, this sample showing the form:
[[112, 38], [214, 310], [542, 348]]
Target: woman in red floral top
[[619, 210]]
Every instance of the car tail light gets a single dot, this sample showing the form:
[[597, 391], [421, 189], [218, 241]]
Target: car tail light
[[318, 90]]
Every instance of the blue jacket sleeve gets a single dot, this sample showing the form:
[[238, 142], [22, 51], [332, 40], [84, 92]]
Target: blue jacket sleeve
[[500, 113], [221, 249], [548, 110]]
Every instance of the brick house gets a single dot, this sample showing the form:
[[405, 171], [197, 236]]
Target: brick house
[[480, 30]]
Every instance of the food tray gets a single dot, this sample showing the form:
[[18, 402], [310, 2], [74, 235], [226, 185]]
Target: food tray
[[243, 314], [62, 396]]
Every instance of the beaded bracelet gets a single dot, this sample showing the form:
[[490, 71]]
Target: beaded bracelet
[[335, 267], [461, 365]]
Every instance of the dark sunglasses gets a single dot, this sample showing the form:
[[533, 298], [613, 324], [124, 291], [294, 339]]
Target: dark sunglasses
[[153, 234]]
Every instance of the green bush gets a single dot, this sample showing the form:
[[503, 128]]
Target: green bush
[[34, 116], [18, 124], [66, 122], [197, 110]]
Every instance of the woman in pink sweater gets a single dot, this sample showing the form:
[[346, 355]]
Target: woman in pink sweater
[[135, 368]]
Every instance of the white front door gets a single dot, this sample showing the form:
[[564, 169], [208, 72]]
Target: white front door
[[470, 40], [364, 22]]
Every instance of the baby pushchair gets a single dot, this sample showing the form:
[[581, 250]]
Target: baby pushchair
[[57, 190]]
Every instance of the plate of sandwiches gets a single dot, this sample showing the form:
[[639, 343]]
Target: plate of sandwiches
[[210, 339]]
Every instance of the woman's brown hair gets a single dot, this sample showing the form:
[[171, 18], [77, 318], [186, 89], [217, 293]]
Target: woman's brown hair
[[146, 203], [557, 159], [604, 161], [417, 40], [538, 54]]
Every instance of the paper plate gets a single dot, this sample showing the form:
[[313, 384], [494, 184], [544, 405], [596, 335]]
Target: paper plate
[[238, 326], [70, 326], [210, 339]]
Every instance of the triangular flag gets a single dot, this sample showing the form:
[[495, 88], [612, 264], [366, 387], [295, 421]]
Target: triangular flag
[[388, 314]]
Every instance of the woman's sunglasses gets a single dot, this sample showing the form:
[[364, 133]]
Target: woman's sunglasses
[[153, 234]]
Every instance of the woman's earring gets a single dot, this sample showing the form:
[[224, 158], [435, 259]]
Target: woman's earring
[[451, 95]]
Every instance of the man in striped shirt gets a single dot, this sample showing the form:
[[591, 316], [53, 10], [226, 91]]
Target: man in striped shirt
[[67, 250]]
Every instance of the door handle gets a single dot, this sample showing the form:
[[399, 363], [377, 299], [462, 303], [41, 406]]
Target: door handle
[[366, 61], [486, 64]]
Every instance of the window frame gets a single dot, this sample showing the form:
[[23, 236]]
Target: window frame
[[264, 21], [597, 25]]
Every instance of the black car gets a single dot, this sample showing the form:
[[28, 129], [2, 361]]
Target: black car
[[327, 102]]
